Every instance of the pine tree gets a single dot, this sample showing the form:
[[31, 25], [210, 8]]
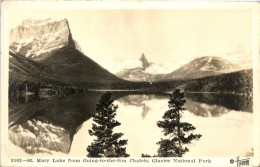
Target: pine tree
[[107, 143], [179, 133]]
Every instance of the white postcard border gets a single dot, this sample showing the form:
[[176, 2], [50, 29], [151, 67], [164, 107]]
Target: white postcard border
[[6, 5]]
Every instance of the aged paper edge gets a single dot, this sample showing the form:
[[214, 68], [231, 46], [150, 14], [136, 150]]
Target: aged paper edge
[[6, 5]]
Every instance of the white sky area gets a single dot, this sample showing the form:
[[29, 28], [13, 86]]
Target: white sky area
[[115, 39]]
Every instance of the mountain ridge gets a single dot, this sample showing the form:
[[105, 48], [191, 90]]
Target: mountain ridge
[[23, 69], [206, 65], [51, 43], [197, 68]]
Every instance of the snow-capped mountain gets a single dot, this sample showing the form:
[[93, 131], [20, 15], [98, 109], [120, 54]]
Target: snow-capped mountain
[[144, 70], [198, 68], [139, 72], [203, 66], [135, 74], [38, 38], [50, 42]]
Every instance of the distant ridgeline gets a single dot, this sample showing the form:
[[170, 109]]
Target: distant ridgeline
[[31, 75], [53, 63]]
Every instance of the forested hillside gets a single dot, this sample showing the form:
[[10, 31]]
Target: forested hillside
[[236, 82]]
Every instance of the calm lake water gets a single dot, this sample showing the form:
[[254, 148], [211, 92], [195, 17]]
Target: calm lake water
[[59, 126]]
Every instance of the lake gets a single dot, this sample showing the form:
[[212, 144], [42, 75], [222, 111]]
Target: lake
[[59, 125]]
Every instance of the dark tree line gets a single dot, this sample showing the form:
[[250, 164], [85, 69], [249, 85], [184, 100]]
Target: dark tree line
[[20, 88]]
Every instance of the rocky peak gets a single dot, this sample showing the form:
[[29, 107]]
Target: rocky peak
[[145, 63], [36, 38], [36, 28]]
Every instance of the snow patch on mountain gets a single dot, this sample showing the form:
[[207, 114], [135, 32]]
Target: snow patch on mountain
[[161, 68], [207, 66], [204, 66], [34, 38], [145, 70], [138, 70]]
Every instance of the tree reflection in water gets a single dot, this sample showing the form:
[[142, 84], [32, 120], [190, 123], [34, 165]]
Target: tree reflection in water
[[71, 112]]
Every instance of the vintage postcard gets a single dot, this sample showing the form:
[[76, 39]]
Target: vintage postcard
[[142, 83]]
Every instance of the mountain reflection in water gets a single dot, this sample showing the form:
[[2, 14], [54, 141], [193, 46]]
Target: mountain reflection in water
[[49, 125], [67, 113], [40, 137]]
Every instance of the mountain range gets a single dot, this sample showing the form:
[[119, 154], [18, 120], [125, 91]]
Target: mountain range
[[197, 68], [45, 51]]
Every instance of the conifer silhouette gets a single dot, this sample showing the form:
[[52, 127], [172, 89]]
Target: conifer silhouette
[[107, 143], [179, 133]]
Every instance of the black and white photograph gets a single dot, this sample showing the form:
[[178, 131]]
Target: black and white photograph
[[122, 83]]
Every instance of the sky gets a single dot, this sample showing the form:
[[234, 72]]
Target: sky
[[116, 38]]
